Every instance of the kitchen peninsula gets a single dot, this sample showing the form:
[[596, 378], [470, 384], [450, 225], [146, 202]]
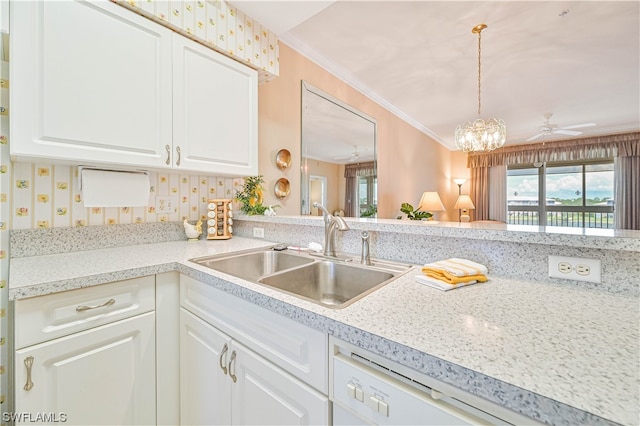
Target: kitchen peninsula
[[559, 353]]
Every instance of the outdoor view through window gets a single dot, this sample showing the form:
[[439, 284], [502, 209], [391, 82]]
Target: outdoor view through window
[[561, 194]]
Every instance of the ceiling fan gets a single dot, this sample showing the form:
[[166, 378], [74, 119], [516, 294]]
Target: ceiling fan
[[350, 158], [548, 128]]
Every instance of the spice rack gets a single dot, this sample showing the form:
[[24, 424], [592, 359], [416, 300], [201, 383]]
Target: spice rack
[[219, 219]]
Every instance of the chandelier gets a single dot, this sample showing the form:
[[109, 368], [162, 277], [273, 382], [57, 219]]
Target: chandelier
[[480, 135]]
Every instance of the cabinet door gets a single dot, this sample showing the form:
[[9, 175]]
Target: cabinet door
[[215, 106], [91, 83], [105, 375], [300, 350], [264, 394], [205, 388]]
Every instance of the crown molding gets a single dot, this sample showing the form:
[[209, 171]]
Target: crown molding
[[347, 77]]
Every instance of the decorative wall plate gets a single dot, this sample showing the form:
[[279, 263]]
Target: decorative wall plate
[[282, 188], [283, 159]]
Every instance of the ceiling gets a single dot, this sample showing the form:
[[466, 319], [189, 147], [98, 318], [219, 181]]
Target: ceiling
[[577, 60]]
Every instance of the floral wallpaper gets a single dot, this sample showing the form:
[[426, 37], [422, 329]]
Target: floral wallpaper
[[218, 25], [4, 211], [48, 196]]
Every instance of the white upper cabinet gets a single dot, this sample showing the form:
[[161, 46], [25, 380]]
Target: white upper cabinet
[[215, 106], [93, 82], [90, 82]]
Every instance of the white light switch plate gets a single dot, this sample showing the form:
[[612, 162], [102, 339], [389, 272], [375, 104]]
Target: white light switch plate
[[575, 268]]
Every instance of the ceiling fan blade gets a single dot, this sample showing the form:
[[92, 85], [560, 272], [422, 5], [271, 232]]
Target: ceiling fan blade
[[535, 137], [578, 126], [567, 132]]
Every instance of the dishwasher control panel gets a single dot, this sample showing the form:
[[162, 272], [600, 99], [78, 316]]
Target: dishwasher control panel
[[382, 399], [368, 389]]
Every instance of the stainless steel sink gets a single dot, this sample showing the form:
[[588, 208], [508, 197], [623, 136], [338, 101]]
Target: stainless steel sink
[[255, 265], [333, 283], [329, 283]]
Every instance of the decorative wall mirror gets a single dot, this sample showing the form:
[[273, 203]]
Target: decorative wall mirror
[[338, 145]]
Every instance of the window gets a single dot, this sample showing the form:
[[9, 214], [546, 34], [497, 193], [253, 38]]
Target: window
[[367, 190], [576, 194]]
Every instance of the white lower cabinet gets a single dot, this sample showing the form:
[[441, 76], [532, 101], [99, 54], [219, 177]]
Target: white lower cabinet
[[205, 388], [225, 382], [95, 372], [100, 376]]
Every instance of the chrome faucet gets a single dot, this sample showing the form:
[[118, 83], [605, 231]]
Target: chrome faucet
[[365, 255], [331, 223]]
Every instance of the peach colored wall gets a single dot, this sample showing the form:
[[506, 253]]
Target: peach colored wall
[[409, 162], [332, 173]]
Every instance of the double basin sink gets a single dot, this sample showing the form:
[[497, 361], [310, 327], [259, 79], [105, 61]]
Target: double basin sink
[[330, 282]]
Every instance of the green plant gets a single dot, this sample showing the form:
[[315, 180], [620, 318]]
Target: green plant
[[412, 214], [370, 211], [250, 197]]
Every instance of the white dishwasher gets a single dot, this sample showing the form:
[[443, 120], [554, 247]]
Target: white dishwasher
[[369, 389]]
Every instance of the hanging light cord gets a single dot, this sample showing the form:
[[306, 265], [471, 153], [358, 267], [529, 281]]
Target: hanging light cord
[[478, 30], [479, 50]]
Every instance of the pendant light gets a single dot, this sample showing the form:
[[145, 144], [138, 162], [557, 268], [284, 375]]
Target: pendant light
[[480, 135]]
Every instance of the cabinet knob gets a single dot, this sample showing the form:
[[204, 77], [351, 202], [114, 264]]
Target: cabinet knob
[[223, 353], [168, 148], [28, 362]]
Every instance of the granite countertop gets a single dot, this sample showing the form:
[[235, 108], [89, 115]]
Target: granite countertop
[[610, 239], [560, 354]]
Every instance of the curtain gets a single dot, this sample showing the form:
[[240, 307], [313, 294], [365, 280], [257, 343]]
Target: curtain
[[349, 195], [351, 174], [568, 150], [498, 193], [627, 192], [360, 169], [480, 192], [624, 148]]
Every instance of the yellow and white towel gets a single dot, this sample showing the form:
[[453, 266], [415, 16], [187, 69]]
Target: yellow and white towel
[[454, 272], [440, 285]]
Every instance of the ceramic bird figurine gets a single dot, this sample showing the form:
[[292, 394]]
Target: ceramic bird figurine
[[192, 231]]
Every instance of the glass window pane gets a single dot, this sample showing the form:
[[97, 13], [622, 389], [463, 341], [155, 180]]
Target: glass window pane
[[363, 190], [599, 187], [522, 187], [375, 191], [599, 167], [551, 169], [564, 186]]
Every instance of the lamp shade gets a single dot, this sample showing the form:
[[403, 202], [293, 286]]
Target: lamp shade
[[430, 202], [460, 181], [464, 202]]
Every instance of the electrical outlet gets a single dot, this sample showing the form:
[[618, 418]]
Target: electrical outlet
[[564, 267], [166, 204], [575, 268], [258, 232], [583, 270]]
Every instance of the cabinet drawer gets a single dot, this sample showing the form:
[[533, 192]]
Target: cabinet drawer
[[47, 317], [298, 349]]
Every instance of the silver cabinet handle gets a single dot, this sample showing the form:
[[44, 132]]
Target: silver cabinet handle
[[178, 151], [28, 362], [225, 348], [83, 308], [168, 148], [232, 373]]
